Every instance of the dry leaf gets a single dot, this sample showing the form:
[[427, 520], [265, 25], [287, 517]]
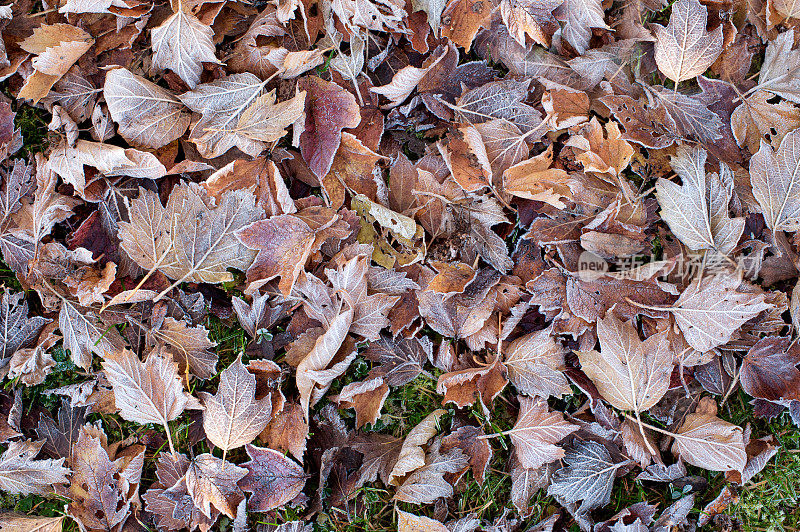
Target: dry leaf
[[232, 416], [684, 49]]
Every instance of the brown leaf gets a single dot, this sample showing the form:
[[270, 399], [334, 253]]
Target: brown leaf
[[769, 370], [168, 499], [630, 374], [697, 212], [287, 431], [146, 392], [57, 47], [148, 115], [706, 441], [535, 362], [100, 487], [212, 484], [21, 474], [22, 523], [366, 398], [283, 243], [330, 109], [273, 479], [710, 311], [182, 43], [776, 187], [465, 386], [407, 522], [312, 376], [536, 433], [190, 239], [756, 119]]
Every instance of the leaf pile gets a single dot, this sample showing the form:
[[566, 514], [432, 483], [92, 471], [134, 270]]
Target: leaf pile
[[572, 222]]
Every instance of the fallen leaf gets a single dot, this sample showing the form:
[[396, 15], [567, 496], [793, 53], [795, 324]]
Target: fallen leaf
[[536, 433], [232, 416], [684, 49], [273, 479]]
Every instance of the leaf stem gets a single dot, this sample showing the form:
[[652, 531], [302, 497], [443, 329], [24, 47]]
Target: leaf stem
[[169, 440]]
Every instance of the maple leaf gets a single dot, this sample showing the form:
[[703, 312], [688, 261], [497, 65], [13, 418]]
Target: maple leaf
[[100, 487], [366, 398], [536, 432], [579, 17], [85, 334], [756, 119], [148, 115], [273, 479], [284, 243], [57, 48], [22, 523], [407, 522], [534, 363], [769, 370], [588, 476], [61, 436], [17, 329], [529, 17], [190, 239], [330, 109], [146, 392], [212, 484], [684, 49], [780, 67], [237, 112], [20, 473], [182, 43], [169, 500], [776, 186], [232, 416], [709, 313], [697, 211], [189, 346], [706, 441]]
